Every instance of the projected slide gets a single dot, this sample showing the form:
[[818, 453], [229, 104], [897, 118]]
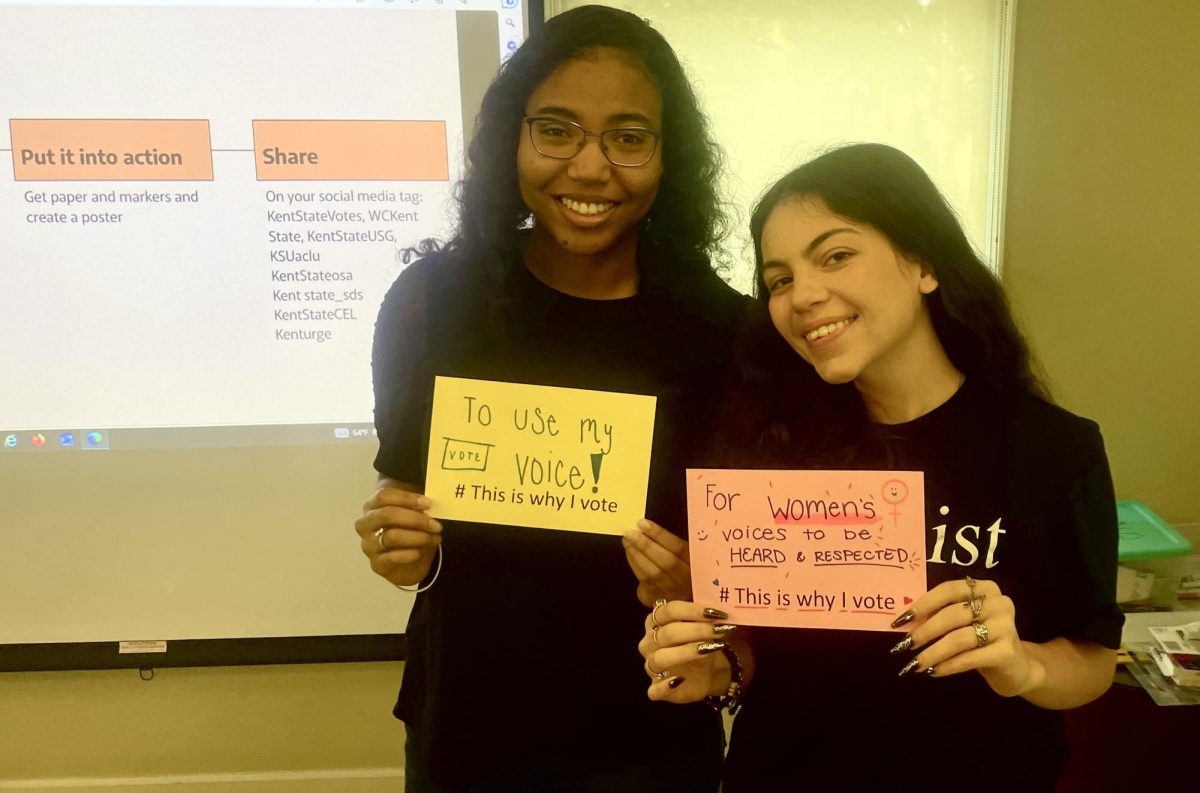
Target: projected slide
[[204, 209], [202, 205]]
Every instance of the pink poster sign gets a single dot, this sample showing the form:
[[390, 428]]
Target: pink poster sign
[[807, 549]]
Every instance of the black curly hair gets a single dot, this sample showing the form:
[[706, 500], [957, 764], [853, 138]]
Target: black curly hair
[[687, 219]]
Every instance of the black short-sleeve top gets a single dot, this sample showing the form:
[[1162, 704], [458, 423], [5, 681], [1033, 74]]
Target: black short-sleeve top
[[1017, 491], [526, 646]]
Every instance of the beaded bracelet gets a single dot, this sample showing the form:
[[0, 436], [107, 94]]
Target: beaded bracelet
[[731, 700]]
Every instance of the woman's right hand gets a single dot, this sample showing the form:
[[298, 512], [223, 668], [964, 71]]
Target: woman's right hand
[[404, 551], [682, 647]]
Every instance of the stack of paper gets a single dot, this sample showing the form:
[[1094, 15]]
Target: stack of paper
[[1177, 653]]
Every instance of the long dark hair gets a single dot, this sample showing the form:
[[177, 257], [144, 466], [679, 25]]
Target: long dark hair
[[687, 220], [886, 189]]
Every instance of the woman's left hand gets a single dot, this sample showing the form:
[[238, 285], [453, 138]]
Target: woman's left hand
[[659, 559], [965, 625]]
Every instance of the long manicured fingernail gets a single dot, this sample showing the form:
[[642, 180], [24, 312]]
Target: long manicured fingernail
[[904, 618], [721, 630], [704, 648], [908, 667], [902, 645], [674, 682], [715, 614], [929, 671]]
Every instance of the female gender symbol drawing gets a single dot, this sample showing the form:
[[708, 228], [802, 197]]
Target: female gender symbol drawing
[[894, 492]]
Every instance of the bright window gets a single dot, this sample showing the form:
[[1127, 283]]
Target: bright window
[[783, 80]]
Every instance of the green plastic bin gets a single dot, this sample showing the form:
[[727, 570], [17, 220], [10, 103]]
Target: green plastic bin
[[1144, 535]]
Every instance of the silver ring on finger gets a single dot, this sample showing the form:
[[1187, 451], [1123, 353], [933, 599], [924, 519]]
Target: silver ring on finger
[[660, 675], [981, 633], [379, 538], [970, 587], [659, 603], [976, 604]]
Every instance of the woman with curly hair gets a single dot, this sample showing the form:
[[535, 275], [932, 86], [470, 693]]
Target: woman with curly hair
[[587, 219], [886, 344]]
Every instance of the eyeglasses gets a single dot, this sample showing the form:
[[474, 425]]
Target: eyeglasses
[[625, 146]]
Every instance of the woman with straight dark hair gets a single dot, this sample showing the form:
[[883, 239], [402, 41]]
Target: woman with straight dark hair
[[885, 343], [587, 218]]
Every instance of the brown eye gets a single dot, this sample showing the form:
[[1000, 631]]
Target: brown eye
[[552, 130], [775, 284], [836, 258]]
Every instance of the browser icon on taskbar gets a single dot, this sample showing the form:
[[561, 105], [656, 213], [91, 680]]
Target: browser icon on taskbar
[[95, 440]]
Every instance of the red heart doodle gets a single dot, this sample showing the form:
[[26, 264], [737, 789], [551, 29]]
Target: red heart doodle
[[907, 600]]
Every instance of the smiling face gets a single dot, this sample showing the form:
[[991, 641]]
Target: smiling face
[[843, 297], [585, 204], [894, 491]]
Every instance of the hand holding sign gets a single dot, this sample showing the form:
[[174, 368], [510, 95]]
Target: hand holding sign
[[659, 559], [808, 549], [965, 624], [681, 647], [396, 535]]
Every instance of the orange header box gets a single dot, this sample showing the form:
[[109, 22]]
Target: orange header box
[[111, 149], [359, 150]]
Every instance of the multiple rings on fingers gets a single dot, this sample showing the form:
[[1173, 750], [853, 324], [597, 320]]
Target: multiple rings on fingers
[[379, 538], [659, 603], [976, 604]]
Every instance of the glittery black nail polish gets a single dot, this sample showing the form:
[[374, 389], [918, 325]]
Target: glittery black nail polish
[[674, 682], [721, 630], [929, 671], [904, 618], [911, 665], [704, 648], [715, 614], [902, 645]]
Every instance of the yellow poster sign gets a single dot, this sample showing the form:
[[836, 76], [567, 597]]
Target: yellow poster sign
[[526, 455]]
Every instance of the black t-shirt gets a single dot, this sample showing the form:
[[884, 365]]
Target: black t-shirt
[[1017, 491], [524, 652]]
